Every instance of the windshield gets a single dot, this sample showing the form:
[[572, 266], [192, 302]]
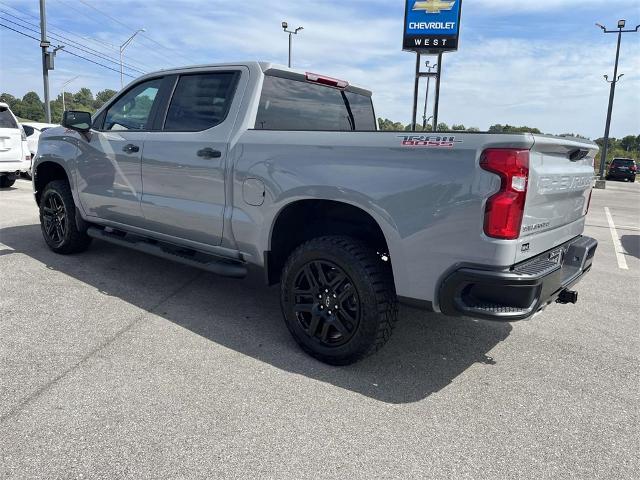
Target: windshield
[[7, 120]]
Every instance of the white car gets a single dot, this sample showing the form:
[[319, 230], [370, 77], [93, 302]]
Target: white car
[[15, 157], [33, 131]]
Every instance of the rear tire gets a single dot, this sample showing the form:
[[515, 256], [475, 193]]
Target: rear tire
[[337, 271], [6, 181], [58, 220]]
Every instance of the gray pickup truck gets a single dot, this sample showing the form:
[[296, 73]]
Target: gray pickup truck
[[230, 165]]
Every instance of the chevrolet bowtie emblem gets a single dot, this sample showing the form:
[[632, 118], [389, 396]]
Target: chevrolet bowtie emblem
[[434, 6]]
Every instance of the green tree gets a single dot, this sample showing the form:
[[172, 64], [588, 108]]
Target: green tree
[[103, 97], [458, 127], [442, 127], [32, 107], [629, 143]]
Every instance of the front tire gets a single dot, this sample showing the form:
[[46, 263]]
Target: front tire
[[57, 220], [338, 299]]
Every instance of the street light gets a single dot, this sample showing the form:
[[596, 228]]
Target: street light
[[64, 85], [285, 27], [426, 97], [612, 93], [122, 47]]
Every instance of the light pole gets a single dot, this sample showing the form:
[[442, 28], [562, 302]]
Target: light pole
[[612, 93], [122, 47], [63, 86], [426, 97], [285, 27]]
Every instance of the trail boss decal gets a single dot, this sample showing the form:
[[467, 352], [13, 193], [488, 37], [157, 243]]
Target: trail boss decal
[[436, 141]]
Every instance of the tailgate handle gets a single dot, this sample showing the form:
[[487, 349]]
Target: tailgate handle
[[578, 154]]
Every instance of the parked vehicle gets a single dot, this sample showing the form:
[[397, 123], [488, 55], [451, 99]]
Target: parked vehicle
[[14, 154], [224, 166], [33, 131], [622, 168]]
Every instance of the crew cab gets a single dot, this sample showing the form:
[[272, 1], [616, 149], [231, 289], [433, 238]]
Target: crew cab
[[225, 166]]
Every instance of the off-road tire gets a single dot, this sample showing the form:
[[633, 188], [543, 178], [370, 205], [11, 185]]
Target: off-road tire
[[71, 240], [367, 274]]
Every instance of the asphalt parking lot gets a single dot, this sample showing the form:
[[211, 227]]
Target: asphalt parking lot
[[115, 364]]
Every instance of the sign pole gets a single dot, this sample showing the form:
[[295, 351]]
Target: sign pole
[[416, 88], [436, 107], [431, 27]]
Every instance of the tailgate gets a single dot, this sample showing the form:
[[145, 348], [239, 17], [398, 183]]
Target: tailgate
[[560, 182]]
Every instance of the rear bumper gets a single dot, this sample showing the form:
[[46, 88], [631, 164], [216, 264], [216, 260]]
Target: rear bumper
[[521, 291], [621, 174], [14, 167]]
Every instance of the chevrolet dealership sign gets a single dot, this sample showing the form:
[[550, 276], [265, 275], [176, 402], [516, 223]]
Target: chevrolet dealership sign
[[431, 26]]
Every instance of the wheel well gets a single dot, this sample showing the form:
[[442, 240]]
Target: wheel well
[[306, 219], [47, 172]]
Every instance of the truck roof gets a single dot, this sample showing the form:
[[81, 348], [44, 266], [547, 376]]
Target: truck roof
[[264, 66]]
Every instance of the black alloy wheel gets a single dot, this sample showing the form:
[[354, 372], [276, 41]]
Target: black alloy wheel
[[55, 220], [327, 306]]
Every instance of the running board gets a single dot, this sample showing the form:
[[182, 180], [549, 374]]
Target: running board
[[192, 258]]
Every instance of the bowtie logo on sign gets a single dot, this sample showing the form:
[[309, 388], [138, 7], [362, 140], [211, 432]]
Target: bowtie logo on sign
[[433, 6]]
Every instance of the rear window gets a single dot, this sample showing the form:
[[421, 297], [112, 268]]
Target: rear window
[[7, 120], [200, 101], [288, 104], [623, 163]]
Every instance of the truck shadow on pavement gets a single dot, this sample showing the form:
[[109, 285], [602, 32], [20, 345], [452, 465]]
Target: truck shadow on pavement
[[426, 353], [631, 244]]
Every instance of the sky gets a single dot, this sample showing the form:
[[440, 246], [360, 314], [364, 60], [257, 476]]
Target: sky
[[538, 63]]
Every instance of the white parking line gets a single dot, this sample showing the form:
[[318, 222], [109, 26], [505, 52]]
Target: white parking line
[[617, 245]]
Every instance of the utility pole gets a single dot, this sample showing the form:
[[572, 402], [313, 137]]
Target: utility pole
[[285, 27], [122, 47], [612, 93], [426, 97], [44, 44]]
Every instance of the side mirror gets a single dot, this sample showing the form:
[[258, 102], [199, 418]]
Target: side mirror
[[76, 120]]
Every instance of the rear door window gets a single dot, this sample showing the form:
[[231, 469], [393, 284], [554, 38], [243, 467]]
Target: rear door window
[[7, 120], [201, 101]]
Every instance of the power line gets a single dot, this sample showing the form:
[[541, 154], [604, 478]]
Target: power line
[[21, 33], [65, 51], [119, 22], [102, 44], [73, 44], [62, 39]]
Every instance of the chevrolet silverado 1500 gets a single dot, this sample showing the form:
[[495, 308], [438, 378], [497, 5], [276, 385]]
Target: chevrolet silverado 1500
[[223, 166]]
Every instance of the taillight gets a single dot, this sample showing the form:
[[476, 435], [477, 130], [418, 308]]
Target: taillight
[[505, 209]]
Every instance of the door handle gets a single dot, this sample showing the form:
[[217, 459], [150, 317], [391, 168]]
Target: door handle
[[209, 153], [131, 148]]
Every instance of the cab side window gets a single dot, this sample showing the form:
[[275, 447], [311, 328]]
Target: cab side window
[[132, 111], [201, 101]]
